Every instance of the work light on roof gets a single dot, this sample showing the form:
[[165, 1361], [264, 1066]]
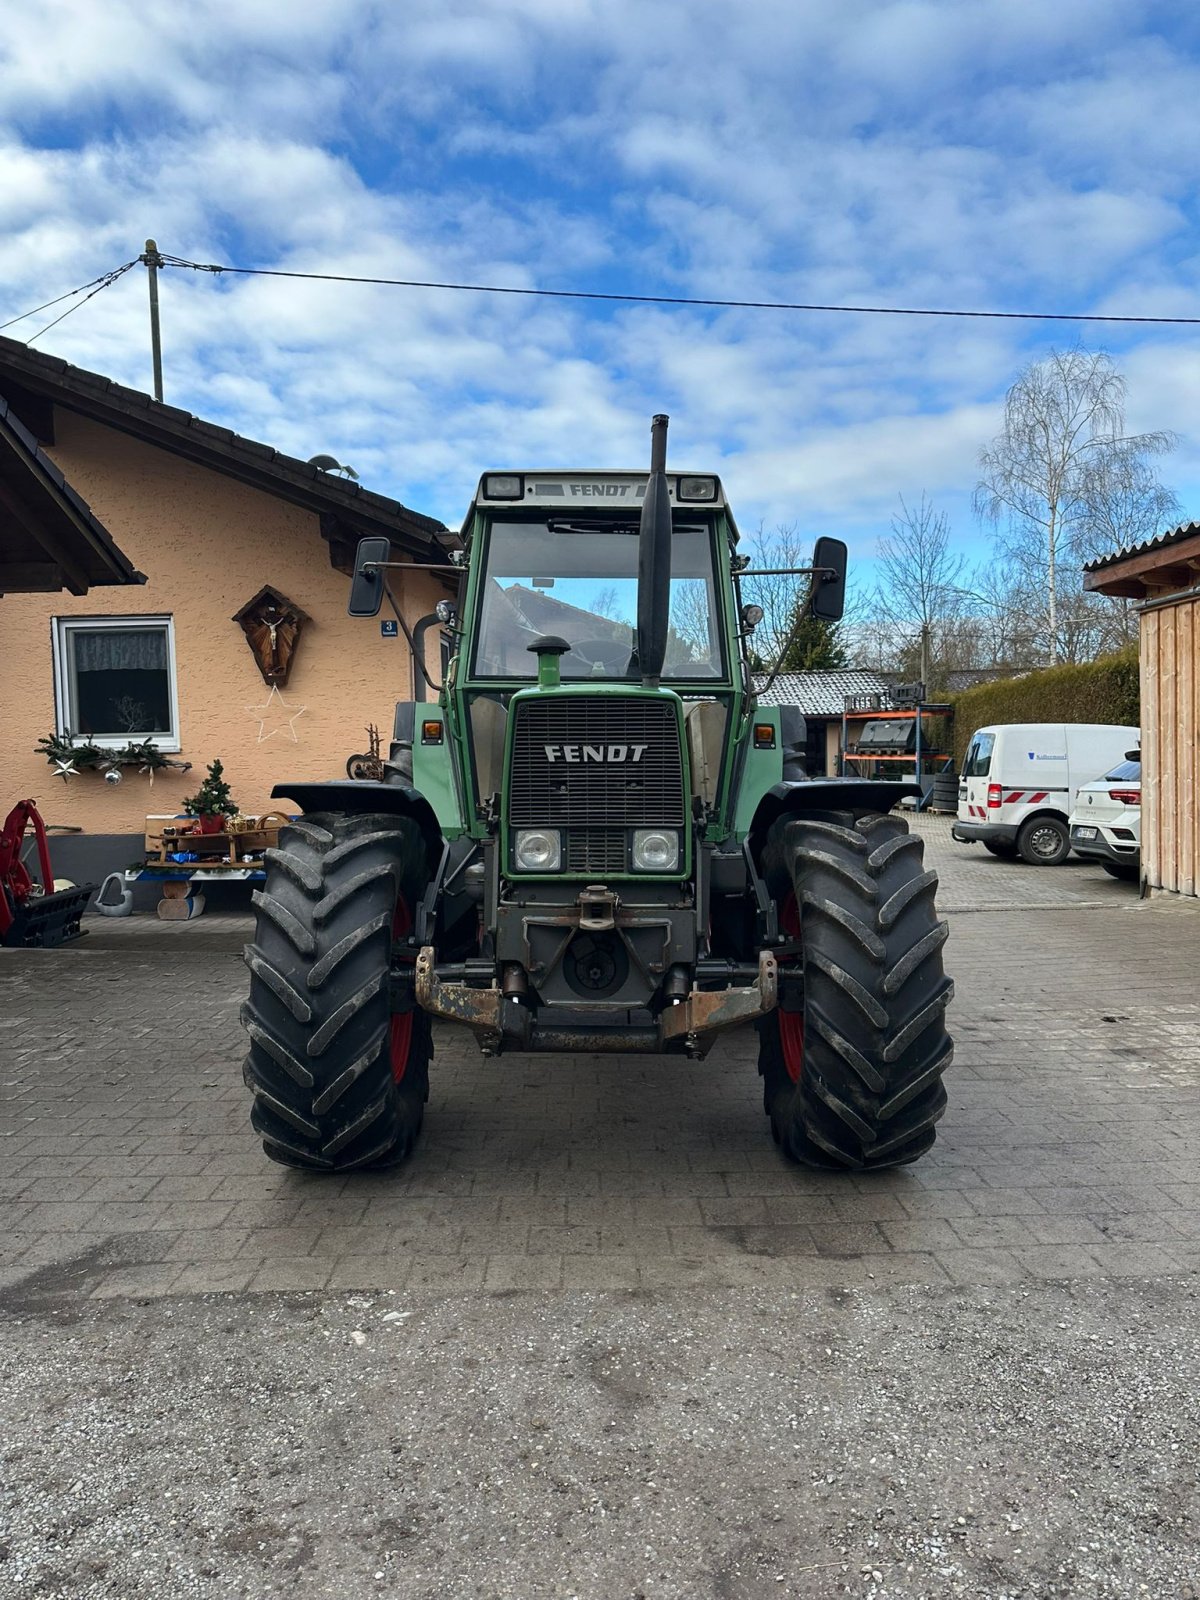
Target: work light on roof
[[503, 486], [696, 489]]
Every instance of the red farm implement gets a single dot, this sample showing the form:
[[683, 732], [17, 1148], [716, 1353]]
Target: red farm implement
[[34, 913]]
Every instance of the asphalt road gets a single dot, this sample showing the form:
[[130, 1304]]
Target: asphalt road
[[910, 1442]]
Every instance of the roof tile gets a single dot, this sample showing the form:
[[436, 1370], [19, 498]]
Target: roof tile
[[254, 447], [130, 397], [212, 430], [1161, 541], [820, 694]]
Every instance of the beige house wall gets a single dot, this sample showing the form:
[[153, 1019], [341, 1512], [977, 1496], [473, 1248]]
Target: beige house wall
[[207, 545]]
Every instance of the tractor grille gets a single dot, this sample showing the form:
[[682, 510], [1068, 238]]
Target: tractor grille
[[588, 780], [599, 850]]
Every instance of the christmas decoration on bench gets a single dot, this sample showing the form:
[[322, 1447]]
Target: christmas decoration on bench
[[212, 802]]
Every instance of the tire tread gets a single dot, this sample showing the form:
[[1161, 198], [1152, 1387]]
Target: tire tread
[[318, 1015], [875, 994]]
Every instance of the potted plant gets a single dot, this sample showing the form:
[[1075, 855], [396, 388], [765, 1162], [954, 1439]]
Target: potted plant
[[212, 804]]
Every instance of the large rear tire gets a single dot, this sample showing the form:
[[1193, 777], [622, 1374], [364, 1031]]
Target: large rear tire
[[339, 1080], [852, 1060]]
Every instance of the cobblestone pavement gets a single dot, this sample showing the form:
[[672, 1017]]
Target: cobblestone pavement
[[975, 880], [1068, 1150]]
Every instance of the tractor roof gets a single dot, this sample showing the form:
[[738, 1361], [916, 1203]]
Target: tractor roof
[[583, 492]]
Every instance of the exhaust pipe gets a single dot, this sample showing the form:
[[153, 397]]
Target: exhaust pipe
[[654, 561]]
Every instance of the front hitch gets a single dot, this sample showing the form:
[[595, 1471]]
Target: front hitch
[[502, 1019]]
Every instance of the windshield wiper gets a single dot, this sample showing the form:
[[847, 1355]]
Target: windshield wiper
[[588, 525], [603, 525]]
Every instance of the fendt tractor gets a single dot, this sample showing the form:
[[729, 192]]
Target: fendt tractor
[[597, 839]]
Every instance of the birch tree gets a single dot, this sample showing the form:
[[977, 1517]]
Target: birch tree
[[1061, 473]]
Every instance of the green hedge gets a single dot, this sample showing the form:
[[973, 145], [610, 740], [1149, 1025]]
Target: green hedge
[[1098, 691]]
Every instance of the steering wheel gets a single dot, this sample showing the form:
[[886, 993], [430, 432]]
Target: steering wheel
[[610, 654]]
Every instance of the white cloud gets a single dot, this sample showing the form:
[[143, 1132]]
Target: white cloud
[[910, 152]]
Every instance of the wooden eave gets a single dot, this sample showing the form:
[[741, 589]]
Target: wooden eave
[[50, 539], [1150, 574], [32, 381]]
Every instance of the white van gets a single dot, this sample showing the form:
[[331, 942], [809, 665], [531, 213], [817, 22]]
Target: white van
[[1019, 781]]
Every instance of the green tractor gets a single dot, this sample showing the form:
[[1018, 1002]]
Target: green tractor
[[597, 840]]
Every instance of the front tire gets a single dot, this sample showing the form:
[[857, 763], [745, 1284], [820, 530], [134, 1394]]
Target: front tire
[[339, 1079], [852, 1061]]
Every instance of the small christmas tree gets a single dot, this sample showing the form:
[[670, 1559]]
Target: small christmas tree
[[212, 798]]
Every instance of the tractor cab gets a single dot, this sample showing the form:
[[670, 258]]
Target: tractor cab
[[571, 573], [562, 684]]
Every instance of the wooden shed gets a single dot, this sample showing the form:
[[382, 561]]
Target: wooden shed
[[1163, 575]]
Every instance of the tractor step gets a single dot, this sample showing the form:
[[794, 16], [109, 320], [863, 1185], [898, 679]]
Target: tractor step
[[46, 920]]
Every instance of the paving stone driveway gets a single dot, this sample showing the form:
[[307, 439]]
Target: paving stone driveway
[[127, 1166]]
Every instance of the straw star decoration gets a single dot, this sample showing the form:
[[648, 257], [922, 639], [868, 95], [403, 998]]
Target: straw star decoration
[[276, 706]]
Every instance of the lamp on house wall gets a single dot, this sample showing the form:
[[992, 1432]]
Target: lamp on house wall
[[272, 625]]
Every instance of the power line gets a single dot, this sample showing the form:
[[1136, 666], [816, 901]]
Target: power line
[[101, 282], [677, 300]]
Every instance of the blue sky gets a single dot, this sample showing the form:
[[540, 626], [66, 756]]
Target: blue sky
[[973, 153]]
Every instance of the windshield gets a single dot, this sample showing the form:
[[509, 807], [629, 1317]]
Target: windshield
[[978, 759], [579, 581], [1125, 772]]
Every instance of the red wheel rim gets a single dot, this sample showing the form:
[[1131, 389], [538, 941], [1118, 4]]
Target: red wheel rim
[[400, 1031], [791, 1023]]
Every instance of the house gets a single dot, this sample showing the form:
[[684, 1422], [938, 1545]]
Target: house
[[1164, 575], [821, 698], [236, 646]]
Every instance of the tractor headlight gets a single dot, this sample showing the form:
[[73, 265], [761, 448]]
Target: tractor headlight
[[655, 849], [538, 849]]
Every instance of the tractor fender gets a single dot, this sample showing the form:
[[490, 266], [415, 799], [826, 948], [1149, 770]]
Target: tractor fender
[[823, 794], [355, 797]]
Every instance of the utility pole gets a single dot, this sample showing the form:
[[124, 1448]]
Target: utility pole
[[152, 261]]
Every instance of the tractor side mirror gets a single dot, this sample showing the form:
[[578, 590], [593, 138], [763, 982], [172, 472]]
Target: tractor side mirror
[[828, 598], [366, 587]]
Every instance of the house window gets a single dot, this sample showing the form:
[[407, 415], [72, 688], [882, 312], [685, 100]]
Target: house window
[[115, 680]]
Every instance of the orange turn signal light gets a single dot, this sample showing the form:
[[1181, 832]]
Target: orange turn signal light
[[432, 732], [764, 736]]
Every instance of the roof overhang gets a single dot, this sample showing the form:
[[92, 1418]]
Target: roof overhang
[[1170, 565], [36, 383], [49, 538]]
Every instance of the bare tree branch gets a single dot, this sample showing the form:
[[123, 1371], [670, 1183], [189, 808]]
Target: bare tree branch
[[1063, 479]]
